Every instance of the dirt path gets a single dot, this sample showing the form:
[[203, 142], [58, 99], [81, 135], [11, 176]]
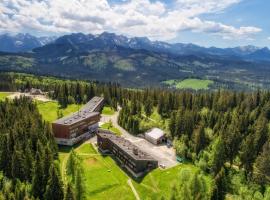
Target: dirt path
[[133, 189]]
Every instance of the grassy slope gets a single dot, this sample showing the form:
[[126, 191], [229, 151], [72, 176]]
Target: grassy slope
[[195, 84], [113, 129], [107, 110], [159, 182], [106, 180], [48, 110], [3, 95]]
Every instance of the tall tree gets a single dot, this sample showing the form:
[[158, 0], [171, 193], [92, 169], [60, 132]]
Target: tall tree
[[54, 188]]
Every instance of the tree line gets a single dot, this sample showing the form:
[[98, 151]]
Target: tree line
[[224, 133]]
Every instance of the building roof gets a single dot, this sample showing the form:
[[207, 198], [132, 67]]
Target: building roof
[[155, 133], [93, 104], [75, 118], [88, 110], [128, 147]]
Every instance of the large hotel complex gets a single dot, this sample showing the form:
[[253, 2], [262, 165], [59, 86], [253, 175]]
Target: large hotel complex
[[80, 125], [130, 157]]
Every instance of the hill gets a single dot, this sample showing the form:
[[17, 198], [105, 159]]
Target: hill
[[139, 62]]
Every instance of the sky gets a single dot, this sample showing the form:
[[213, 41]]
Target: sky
[[220, 23]]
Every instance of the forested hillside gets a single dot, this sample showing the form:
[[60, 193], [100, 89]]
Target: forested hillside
[[28, 154], [224, 133]]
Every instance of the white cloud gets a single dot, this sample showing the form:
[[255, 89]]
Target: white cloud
[[268, 38], [134, 17]]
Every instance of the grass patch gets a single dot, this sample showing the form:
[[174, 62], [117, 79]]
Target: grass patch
[[109, 127], [107, 110], [4, 95], [195, 84], [124, 65], [159, 182], [106, 180], [49, 110]]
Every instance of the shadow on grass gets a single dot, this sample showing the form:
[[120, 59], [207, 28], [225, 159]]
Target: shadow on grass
[[67, 149], [102, 189], [130, 175]]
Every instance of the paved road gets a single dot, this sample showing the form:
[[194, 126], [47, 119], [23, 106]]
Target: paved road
[[162, 153]]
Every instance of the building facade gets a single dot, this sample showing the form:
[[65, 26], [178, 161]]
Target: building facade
[[130, 157], [80, 125]]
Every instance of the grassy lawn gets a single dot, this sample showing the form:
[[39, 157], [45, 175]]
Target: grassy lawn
[[107, 126], [154, 120], [195, 84], [106, 180], [48, 110], [159, 182], [107, 111], [4, 95]]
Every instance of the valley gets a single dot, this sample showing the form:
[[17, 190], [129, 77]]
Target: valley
[[140, 62]]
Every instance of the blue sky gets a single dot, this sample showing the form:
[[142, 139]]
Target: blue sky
[[221, 23]]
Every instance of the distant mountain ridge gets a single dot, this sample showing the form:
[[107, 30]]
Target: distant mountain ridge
[[22, 42], [87, 42], [83, 42], [139, 61]]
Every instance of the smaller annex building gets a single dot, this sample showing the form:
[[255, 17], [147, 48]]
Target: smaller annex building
[[155, 136], [129, 155], [78, 126]]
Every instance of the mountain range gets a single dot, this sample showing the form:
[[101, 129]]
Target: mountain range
[[135, 61], [22, 42], [26, 42]]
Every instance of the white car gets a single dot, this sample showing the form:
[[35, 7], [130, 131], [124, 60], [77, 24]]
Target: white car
[[162, 166]]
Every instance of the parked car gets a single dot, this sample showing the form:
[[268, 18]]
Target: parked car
[[162, 166]]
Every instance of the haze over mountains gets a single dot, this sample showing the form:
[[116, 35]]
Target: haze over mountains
[[134, 61]]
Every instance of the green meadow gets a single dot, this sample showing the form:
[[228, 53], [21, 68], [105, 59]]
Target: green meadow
[[51, 110], [104, 179], [4, 95], [191, 83], [107, 110]]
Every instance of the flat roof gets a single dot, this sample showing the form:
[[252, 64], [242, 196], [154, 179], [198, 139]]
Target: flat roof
[[155, 133], [126, 146], [87, 111], [92, 104], [75, 118]]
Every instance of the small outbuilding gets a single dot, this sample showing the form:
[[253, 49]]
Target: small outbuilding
[[35, 91], [155, 136]]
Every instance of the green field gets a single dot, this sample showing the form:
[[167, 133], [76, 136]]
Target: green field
[[106, 180], [48, 110], [108, 126], [3, 95], [195, 84], [107, 110]]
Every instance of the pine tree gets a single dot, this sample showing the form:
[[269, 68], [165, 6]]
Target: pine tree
[[38, 177], [79, 184], [18, 167], [69, 193], [217, 158], [199, 140], [54, 188], [262, 166], [72, 165]]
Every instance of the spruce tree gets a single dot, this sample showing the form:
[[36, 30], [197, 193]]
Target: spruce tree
[[54, 188], [38, 177], [79, 184], [69, 193]]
